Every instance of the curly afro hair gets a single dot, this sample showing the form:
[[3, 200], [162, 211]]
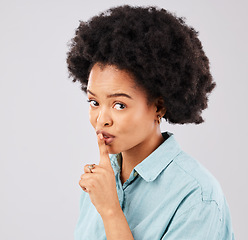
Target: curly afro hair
[[163, 54]]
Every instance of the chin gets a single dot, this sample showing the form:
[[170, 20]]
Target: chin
[[112, 150]]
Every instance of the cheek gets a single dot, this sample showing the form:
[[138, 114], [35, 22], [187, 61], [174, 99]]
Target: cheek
[[134, 122]]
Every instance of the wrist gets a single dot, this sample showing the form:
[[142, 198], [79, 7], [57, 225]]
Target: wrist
[[116, 225], [111, 213]]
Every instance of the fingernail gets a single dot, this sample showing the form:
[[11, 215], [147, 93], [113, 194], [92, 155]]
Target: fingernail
[[101, 136]]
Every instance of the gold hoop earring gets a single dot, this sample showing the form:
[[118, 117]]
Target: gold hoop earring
[[159, 119]]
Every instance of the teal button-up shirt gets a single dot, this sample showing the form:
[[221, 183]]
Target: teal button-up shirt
[[168, 196]]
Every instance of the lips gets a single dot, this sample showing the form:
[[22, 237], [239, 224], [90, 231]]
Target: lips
[[107, 136]]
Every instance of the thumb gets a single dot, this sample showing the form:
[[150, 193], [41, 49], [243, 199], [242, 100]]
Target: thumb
[[104, 157]]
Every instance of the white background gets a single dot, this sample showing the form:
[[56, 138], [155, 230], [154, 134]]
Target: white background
[[45, 136]]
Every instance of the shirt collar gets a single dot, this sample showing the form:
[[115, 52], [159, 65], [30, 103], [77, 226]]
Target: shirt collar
[[156, 162]]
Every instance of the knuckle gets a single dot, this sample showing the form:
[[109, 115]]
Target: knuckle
[[80, 182], [86, 169]]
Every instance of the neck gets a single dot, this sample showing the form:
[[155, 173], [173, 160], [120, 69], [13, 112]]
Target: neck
[[137, 154]]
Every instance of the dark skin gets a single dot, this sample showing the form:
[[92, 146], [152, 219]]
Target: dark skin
[[124, 116]]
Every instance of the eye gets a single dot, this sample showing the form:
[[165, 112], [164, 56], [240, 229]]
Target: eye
[[93, 103], [119, 106]]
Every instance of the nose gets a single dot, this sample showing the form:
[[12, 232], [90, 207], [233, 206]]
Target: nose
[[104, 119]]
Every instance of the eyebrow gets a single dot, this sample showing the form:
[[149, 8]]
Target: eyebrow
[[112, 95]]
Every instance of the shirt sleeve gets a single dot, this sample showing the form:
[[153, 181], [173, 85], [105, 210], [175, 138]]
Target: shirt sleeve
[[203, 221]]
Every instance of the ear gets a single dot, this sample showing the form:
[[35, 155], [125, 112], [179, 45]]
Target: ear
[[160, 106]]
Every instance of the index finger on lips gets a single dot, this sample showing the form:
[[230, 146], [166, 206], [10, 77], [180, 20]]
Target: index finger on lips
[[104, 157]]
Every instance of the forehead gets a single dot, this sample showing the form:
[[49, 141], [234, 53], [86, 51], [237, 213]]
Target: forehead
[[109, 79]]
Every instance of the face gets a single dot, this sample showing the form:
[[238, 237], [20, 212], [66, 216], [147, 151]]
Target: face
[[119, 108]]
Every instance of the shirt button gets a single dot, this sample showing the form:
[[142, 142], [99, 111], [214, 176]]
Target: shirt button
[[135, 174]]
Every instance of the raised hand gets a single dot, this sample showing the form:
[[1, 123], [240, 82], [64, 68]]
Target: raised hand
[[99, 182]]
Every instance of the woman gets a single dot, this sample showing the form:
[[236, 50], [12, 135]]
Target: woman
[[137, 66]]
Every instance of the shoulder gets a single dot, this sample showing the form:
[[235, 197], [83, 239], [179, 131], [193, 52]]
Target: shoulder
[[201, 204], [200, 186]]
